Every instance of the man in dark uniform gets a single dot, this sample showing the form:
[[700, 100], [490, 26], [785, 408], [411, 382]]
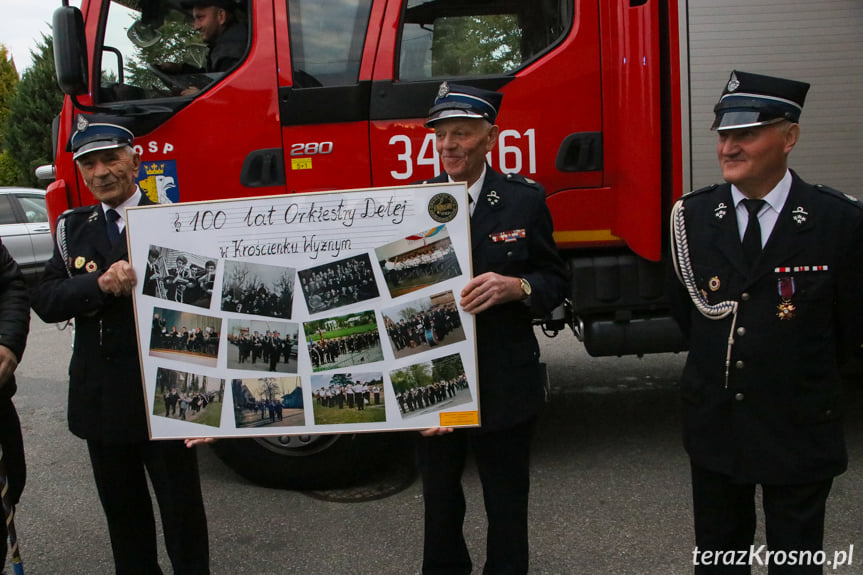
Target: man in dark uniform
[[514, 282], [14, 326], [89, 279], [769, 296]]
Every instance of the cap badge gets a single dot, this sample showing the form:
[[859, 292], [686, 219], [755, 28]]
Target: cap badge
[[81, 123], [733, 83], [799, 215], [719, 211], [493, 198], [443, 90]]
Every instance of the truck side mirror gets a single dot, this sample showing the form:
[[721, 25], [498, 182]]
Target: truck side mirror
[[70, 51]]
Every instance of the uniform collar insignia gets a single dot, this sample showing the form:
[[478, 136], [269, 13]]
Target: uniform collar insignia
[[94, 215], [720, 211], [799, 215], [493, 198]]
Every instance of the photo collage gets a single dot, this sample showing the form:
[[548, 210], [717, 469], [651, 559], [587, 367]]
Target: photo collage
[[360, 340]]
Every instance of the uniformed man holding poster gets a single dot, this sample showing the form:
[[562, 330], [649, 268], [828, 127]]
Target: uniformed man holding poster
[[768, 291], [518, 275], [90, 279]]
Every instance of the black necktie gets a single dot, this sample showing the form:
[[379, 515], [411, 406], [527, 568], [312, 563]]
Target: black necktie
[[752, 236], [113, 230]]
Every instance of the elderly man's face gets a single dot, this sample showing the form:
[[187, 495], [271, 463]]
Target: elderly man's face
[[110, 174], [755, 159], [462, 144], [208, 22]]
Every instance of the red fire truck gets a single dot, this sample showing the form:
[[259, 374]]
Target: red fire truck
[[332, 95]]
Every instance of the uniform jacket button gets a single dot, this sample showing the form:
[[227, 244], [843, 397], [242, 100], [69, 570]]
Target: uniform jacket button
[[739, 364], [744, 296], [738, 397], [741, 331]]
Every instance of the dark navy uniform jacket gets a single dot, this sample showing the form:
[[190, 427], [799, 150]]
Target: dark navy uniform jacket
[[106, 398], [511, 384], [778, 421]]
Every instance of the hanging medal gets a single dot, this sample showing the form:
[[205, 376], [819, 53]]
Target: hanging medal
[[785, 286]]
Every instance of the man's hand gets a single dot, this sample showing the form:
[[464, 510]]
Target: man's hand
[[8, 364], [432, 431], [200, 441], [489, 289], [119, 279]]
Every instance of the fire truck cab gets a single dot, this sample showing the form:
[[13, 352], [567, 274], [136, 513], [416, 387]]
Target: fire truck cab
[[333, 95]]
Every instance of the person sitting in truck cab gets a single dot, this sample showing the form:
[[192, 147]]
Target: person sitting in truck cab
[[217, 24]]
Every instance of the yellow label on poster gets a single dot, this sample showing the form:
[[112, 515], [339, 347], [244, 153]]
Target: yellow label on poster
[[301, 164], [457, 418]]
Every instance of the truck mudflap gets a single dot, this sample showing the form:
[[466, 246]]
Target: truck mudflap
[[315, 462]]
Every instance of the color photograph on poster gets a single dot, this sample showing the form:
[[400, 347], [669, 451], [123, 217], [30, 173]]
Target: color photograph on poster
[[185, 336], [188, 397], [262, 345], [419, 325], [268, 402], [324, 312], [431, 386], [343, 341], [418, 261], [348, 398]]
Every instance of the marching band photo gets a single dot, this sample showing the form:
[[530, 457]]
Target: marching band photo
[[180, 277]]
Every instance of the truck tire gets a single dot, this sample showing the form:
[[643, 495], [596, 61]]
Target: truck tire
[[312, 462]]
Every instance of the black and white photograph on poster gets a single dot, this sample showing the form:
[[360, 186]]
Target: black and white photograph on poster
[[262, 345], [431, 386], [179, 276], [343, 341], [306, 272], [422, 324], [338, 284], [348, 398], [185, 336], [268, 402], [188, 397], [418, 260], [258, 289]]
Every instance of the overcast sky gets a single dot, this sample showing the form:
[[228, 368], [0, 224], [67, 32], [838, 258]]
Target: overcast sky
[[22, 25]]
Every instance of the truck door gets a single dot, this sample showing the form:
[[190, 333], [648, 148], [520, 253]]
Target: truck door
[[324, 87], [206, 127], [543, 56]]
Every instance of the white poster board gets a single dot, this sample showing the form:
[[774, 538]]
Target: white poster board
[[308, 313]]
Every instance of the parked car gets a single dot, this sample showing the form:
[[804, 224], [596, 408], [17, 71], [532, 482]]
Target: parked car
[[24, 228]]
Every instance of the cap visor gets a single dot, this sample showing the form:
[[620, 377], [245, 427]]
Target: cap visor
[[96, 146], [743, 119], [448, 114]]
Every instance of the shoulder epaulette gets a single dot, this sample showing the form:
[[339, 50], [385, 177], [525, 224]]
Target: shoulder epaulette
[[837, 194], [522, 180], [693, 193]]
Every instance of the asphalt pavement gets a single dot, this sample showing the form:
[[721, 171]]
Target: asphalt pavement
[[610, 486]]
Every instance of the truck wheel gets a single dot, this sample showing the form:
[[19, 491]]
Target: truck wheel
[[312, 462]]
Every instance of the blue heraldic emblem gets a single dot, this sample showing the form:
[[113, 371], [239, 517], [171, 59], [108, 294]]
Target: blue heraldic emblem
[[159, 181]]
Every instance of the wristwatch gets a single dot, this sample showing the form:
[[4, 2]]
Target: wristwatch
[[525, 288]]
